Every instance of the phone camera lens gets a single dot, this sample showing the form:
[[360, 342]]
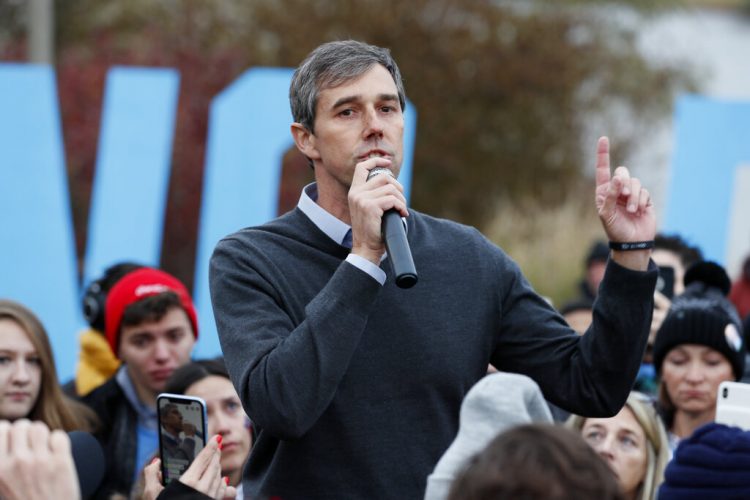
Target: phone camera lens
[[725, 393]]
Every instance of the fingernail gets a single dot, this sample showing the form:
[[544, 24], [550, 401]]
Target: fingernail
[[219, 439], [154, 460], [226, 480], [631, 207]]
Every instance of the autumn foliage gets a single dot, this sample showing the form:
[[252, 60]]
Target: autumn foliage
[[508, 93]]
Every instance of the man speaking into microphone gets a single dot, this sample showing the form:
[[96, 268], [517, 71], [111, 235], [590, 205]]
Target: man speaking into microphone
[[354, 383]]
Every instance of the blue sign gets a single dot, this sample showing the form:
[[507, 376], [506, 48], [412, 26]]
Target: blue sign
[[712, 143]]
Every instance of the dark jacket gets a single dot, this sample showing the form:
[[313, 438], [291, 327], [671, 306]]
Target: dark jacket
[[356, 387], [118, 435]]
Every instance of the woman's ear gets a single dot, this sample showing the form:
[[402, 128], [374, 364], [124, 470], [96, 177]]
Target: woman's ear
[[304, 139]]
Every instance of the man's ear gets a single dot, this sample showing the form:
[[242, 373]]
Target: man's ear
[[304, 139]]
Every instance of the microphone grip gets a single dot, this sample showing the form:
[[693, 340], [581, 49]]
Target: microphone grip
[[398, 249]]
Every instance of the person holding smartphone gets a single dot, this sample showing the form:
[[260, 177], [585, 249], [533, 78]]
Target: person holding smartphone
[[208, 379], [201, 480], [698, 346]]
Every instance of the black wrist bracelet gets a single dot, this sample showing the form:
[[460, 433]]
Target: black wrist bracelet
[[631, 245]]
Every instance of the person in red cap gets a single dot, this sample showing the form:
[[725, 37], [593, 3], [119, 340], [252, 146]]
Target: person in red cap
[[151, 326]]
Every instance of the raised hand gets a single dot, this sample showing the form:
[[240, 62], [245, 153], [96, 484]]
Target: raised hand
[[624, 207]]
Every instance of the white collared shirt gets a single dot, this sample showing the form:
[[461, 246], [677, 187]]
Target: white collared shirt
[[334, 229]]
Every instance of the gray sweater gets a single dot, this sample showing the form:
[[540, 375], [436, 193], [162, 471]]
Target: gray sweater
[[356, 388]]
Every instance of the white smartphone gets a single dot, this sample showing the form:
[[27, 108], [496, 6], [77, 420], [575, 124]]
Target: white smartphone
[[733, 405], [182, 432]]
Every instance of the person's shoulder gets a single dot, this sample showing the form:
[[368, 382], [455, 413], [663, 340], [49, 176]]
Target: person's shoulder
[[449, 235], [104, 396], [109, 403], [430, 223], [288, 225]]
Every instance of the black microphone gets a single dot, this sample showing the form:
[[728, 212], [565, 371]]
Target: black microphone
[[394, 234], [89, 460]]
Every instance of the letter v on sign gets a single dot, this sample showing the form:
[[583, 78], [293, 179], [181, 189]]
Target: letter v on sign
[[38, 265]]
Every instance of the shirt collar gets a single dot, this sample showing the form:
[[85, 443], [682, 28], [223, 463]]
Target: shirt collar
[[146, 413], [330, 225]]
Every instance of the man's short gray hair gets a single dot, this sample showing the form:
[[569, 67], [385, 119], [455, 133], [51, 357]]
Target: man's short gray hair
[[331, 65]]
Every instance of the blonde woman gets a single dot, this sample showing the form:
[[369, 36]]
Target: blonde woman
[[28, 379], [633, 443]]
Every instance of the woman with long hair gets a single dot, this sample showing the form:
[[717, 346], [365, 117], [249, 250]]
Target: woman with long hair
[[28, 378], [633, 443]]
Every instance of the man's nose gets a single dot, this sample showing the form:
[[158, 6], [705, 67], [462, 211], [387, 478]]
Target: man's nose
[[374, 124]]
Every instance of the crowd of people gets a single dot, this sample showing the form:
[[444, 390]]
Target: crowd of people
[[336, 383]]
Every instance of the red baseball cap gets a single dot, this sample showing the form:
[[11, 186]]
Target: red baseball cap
[[138, 285]]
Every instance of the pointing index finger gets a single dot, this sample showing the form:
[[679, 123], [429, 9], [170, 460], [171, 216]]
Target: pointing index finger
[[602, 161]]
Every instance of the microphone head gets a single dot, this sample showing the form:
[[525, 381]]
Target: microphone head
[[377, 171], [88, 457]]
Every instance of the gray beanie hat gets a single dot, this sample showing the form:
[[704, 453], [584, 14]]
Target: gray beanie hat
[[497, 402]]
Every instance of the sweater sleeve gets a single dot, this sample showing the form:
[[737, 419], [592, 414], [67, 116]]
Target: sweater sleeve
[[286, 359], [590, 375]]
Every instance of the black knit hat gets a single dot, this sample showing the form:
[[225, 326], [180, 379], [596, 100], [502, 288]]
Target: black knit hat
[[703, 315]]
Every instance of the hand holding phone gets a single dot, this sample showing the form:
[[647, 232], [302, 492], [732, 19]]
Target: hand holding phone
[[182, 433], [203, 475]]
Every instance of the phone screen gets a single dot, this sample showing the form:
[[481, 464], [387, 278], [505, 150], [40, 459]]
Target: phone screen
[[665, 282], [182, 433]]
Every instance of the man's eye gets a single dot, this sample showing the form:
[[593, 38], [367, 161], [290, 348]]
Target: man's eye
[[346, 112]]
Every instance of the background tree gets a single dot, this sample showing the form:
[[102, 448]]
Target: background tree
[[511, 97]]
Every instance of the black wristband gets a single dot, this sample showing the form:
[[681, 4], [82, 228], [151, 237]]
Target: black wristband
[[631, 245]]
